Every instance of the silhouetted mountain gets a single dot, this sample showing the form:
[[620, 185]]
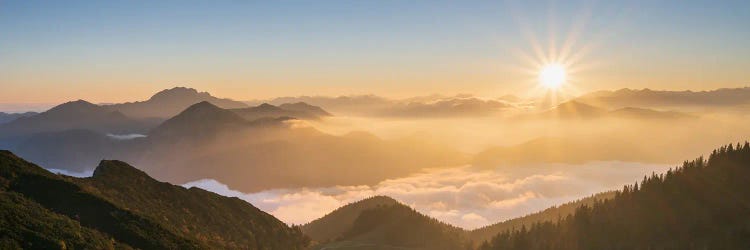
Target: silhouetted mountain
[[551, 214], [199, 119], [573, 109], [433, 106], [359, 104], [122, 203], [701, 205], [642, 113], [334, 224], [74, 115], [304, 107], [668, 99], [578, 110], [9, 117], [449, 107], [170, 102], [297, 110], [397, 226]]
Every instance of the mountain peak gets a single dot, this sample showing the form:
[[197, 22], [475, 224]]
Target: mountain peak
[[114, 169], [177, 93], [75, 105], [305, 107], [198, 118], [267, 107]]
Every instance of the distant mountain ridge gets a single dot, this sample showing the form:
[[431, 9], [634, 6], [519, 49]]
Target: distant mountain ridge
[[78, 114], [299, 110], [170, 102], [122, 205], [9, 117], [663, 98], [579, 110]]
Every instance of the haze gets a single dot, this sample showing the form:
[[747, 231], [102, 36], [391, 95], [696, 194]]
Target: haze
[[373, 125]]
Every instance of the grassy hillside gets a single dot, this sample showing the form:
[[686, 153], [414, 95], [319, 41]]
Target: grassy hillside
[[121, 206], [334, 224]]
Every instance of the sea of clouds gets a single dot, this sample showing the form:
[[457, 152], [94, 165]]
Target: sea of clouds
[[462, 196]]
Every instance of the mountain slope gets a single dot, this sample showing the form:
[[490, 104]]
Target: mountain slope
[[701, 205], [220, 222], [25, 224], [126, 204], [169, 102], [334, 224], [63, 197], [551, 214]]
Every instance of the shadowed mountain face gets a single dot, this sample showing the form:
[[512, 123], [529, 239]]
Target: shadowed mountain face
[[169, 102], [74, 115], [701, 205], [667, 99], [125, 204]]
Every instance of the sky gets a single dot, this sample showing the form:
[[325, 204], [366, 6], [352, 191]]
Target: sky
[[115, 51]]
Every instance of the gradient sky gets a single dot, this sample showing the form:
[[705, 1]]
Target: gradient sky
[[113, 51]]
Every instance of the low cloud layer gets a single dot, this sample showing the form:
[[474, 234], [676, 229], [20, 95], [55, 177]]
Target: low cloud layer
[[461, 196], [125, 137], [83, 174]]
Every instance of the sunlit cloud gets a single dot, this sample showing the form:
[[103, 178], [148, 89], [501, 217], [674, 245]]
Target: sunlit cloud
[[462, 196]]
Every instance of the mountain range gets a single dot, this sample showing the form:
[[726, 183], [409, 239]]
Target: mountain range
[[578, 110], [286, 155], [75, 115], [666, 99], [169, 102], [433, 106]]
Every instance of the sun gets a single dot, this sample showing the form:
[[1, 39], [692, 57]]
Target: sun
[[552, 76]]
